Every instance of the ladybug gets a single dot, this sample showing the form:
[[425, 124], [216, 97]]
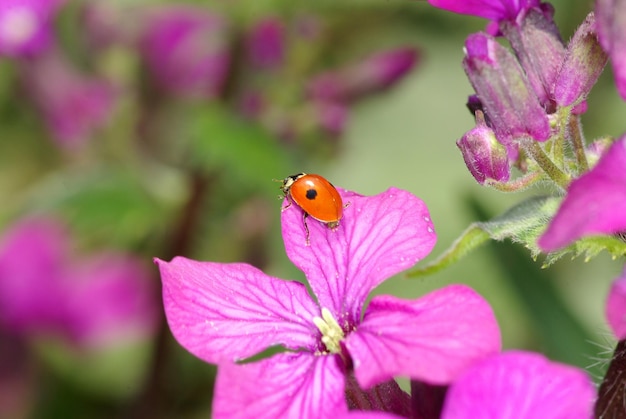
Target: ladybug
[[316, 196]]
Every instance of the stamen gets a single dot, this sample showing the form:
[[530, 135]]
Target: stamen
[[332, 333]]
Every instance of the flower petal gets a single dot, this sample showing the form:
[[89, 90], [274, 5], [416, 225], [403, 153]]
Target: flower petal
[[489, 9], [33, 258], [520, 385], [227, 312], [110, 299], [616, 307], [378, 237], [286, 385], [433, 339], [595, 203]]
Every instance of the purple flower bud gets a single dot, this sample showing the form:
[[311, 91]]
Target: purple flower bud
[[501, 85], [332, 117], [73, 105], [584, 62], [266, 44], [375, 73], [611, 21], [539, 49], [25, 26], [186, 49], [484, 156]]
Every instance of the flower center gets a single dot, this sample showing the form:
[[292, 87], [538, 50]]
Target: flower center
[[332, 333]]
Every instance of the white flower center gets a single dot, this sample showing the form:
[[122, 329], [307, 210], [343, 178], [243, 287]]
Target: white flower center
[[17, 25], [332, 333]]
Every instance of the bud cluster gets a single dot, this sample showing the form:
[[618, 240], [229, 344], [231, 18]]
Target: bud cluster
[[531, 95]]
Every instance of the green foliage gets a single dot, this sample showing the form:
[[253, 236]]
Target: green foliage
[[244, 152], [107, 204], [523, 224]]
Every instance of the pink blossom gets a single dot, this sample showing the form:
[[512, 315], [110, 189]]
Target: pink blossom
[[495, 10], [26, 26], [224, 313], [186, 49], [520, 385], [72, 104], [375, 73], [266, 44], [595, 203], [610, 21], [46, 288], [616, 307]]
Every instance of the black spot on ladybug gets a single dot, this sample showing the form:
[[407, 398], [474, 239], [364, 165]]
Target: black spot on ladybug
[[311, 194]]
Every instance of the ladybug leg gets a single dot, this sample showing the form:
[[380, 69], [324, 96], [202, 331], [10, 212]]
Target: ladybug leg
[[289, 202], [347, 204], [306, 227]]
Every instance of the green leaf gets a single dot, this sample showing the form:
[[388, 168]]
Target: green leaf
[[471, 238], [589, 247], [522, 223]]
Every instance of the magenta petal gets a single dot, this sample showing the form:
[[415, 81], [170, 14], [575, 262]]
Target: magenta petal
[[378, 237], [433, 339], [287, 386], [111, 299], [489, 9], [520, 385], [228, 312], [32, 266], [595, 203], [616, 307]]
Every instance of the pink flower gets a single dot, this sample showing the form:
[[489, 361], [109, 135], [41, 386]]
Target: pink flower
[[46, 289], [187, 50], [495, 10], [72, 104], [224, 313], [520, 385], [266, 44], [595, 203], [616, 307], [26, 26], [375, 73], [610, 21]]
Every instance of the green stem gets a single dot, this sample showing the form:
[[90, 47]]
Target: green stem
[[534, 150], [516, 185], [578, 142]]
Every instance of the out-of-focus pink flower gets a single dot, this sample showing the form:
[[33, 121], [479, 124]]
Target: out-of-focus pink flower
[[595, 203], [520, 385], [610, 24], [45, 288], [266, 44], [223, 313], [26, 26], [332, 117], [187, 50], [356, 81], [72, 104]]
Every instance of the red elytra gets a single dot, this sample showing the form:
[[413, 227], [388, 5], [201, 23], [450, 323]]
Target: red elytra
[[316, 196]]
